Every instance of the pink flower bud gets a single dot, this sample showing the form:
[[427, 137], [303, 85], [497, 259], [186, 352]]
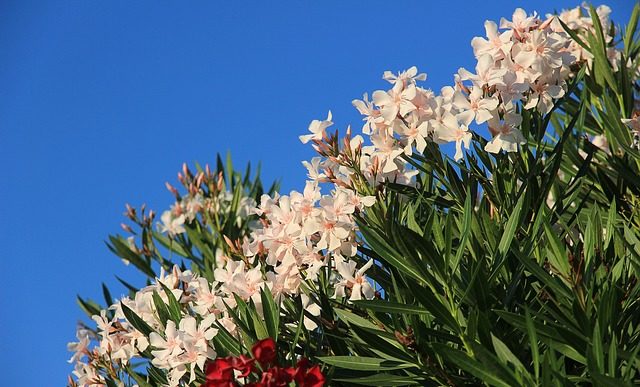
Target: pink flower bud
[[171, 188]]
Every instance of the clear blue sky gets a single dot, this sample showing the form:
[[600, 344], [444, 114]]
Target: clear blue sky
[[102, 101]]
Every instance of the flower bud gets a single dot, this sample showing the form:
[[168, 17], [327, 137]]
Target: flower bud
[[126, 228], [171, 188]]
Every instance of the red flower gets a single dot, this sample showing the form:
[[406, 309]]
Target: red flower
[[276, 377], [264, 351], [308, 377], [244, 364], [220, 372]]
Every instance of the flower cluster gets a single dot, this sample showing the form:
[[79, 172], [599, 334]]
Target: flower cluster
[[179, 348], [301, 232], [524, 63], [224, 372], [198, 203], [296, 236], [579, 19]]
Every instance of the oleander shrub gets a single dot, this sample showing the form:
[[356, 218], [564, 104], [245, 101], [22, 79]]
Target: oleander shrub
[[513, 262]]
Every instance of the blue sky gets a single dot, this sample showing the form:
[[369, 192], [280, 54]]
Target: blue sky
[[102, 101]]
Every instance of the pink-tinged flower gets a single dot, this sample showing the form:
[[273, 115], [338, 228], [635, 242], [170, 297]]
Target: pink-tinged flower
[[284, 214], [487, 74], [172, 224], [497, 44], [414, 133], [600, 141], [372, 116], [313, 169], [405, 78], [167, 348], [311, 307], [337, 206], [286, 279], [455, 128], [354, 280], [542, 95], [539, 51], [317, 128], [206, 301], [480, 106], [88, 375], [506, 135], [193, 355], [333, 233], [304, 203], [386, 150], [397, 100], [198, 334], [516, 83], [81, 347], [424, 103], [520, 22]]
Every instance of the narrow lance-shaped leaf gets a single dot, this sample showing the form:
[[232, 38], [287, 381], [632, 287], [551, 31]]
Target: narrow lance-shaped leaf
[[363, 363], [136, 321], [271, 312]]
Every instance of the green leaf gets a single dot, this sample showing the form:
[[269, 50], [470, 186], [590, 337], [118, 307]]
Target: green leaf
[[388, 253], [226, 341], [390, 307], [462, 360], [258, 324], [613, 356], [631, 29], [568, 351], [271, 312], [511, 227], [464, 233], [383, 379], [599, 50], [171, 245], [363, 363], [557, 256], [89, 307], [136, 321], [611, 224], [175, 309], [436, 306], [107, 295], [119, 247], [249, 334], [161, 308], [573, 35], [140, 379], [598, 348], [157, 375], [353, 318], [296, 337], [383, 343], [504, 353], [506, 356], [533, 343]]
